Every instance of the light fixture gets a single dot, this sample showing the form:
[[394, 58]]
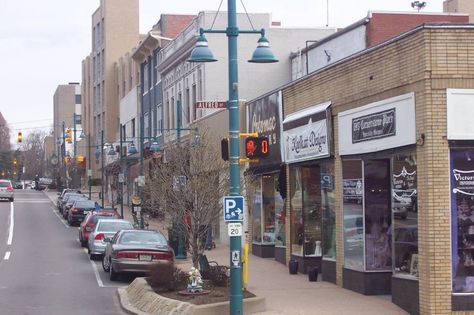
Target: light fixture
[[83, 135], [201, 52], [263, 53], [132, 149], [155, 147], [111, 150]]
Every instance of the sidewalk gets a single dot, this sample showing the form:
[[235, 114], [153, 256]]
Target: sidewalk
[[287, 294]]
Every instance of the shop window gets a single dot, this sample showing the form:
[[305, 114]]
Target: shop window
[[462, 219], [329, 213], [353, 188], [268, 209], [280, 216], [256, 192], [306, 211], [405, 217], [378, 216]]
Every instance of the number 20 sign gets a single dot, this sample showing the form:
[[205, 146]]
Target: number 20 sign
[[234, 229]]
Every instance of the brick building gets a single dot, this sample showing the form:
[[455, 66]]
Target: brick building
[[375, 147]]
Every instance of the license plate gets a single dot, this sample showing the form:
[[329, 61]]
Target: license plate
[[145, 257]]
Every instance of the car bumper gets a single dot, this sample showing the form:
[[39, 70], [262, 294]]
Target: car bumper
[[97, 248], [123, 265], [4, 194], [77, 217]]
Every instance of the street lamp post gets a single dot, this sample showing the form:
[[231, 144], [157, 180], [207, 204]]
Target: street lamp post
[[262, 54]]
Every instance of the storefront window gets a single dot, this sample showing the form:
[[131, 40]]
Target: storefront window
[[256, 192], [280, 216], [353, 188], [462, 219], [378, 216], [312, 211], [296, 204], [405, 217], [329, 213], [268, 207]]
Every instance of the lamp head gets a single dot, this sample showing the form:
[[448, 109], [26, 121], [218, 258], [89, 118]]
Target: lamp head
[[111, 150], [83, 135], [132, 149], [155, 147], [263, 53], [201, 52]]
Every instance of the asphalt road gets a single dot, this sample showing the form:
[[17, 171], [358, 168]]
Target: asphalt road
[[43, 269]]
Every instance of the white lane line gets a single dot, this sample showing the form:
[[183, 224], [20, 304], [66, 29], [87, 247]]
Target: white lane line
[[60, 219], [12, 224], [7, 256], [100, 283]]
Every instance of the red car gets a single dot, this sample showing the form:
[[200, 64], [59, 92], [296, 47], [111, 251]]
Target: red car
[[90, 221]]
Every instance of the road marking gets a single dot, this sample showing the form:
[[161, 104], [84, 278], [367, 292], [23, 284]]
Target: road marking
[[60, 219], [32, 201], [12, 224], [96, 273], [7, 256]]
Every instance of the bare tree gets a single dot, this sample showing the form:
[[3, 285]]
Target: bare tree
[[32, 149], [188, 187], [5, 144]]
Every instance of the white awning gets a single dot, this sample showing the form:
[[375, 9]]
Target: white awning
[[307, 111]]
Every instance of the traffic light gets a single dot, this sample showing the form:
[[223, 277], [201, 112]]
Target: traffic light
[[256, 147], [225, 149], [20, 137], [14, 162], [68, 135]]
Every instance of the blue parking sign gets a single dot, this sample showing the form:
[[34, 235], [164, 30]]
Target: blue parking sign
[[233, 208]]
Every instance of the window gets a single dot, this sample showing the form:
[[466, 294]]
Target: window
[[145, 78], [159, 114], [296, 204], [404, 212], [257, 211], [133, 128], [352, 195], [146, 124], [328, 211], [194, 103], [462, 219], [172, 120], [187, 106]]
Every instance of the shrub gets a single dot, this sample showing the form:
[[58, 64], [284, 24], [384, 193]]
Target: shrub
[[167, 278]]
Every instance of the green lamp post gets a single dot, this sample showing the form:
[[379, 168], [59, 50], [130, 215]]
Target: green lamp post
[[262, 54]]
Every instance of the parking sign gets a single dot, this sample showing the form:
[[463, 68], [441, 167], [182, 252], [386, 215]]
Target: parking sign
[[233, 208]]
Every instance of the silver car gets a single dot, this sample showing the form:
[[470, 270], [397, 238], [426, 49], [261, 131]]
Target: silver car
[[104, 230], [6, 190]]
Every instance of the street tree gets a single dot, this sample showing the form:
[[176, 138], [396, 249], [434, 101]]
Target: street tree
[[5, 144], [32, 148], [188, 187]]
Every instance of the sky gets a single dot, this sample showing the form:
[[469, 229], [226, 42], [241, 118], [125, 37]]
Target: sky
[[42, 43]]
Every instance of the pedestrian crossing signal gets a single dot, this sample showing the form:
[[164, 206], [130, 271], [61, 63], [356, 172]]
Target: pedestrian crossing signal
[[256, 147]]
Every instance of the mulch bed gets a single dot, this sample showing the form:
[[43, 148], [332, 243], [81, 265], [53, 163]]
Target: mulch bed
[[218, 294]]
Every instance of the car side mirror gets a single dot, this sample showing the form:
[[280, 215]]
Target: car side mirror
[[108, 240]]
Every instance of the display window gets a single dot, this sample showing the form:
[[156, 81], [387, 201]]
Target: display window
[[353, 198], [328, 211], [462, 219], [280, 216], [268, 209], [405, 215], [306, 211], [256, 197]]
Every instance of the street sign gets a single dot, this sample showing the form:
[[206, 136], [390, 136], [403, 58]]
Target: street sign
[[235, 258], [141, 181], [233, 208], [211, 104], [89, 172], [121, 178], [234, 229]]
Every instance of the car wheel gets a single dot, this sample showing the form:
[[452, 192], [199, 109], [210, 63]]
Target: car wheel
[[113, 274], [106, 264], [92, 256], [83, 243], [11, 199]]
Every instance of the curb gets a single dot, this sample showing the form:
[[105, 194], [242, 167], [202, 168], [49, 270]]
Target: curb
[[125, 303]]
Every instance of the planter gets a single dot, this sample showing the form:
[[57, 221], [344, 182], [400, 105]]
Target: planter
[[293, 267], [139, 298]]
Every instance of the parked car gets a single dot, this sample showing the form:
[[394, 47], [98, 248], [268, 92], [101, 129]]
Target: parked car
[[78, 211], [44, 183], [6, 190], [105, 228], [18, 185], [91, 220], [134, 251], [65, 191], [70, 201], [65, 199]]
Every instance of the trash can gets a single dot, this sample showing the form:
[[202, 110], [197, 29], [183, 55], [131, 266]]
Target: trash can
[[313, 273], [293, 266]]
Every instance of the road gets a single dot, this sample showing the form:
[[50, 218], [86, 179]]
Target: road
[[43, 269]]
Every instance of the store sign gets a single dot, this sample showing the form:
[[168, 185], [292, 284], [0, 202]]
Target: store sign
[[352, 190], [382, 125], [463, 182], [374, 126], [305, 134], [264, 118]]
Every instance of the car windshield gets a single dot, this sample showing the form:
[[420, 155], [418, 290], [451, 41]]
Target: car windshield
[[74, 198], [67, 196], [85, 204], [113, 226], [142, 238], [5, 184]]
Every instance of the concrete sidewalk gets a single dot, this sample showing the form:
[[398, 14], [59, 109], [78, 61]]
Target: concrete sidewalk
[[287, 294]]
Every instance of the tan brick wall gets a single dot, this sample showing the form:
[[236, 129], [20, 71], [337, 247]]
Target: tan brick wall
[[425, 62]]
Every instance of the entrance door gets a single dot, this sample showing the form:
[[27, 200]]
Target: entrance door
[[378, 252]]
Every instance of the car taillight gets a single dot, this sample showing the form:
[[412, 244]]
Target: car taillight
[[128, 255], [99, 237], [10, 188], [74, 210], [163, 256]]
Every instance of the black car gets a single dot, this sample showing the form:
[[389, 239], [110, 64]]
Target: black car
[[70, 202], [78, 211], [62, 204]]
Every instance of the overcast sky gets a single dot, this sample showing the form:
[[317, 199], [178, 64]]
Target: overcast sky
[[42, 42]]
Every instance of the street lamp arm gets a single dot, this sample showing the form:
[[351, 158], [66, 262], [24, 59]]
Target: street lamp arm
[[231, 31]]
